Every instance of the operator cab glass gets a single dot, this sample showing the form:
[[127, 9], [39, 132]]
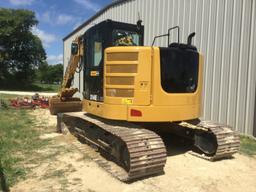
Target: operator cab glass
[[97, 52], [125, 38]]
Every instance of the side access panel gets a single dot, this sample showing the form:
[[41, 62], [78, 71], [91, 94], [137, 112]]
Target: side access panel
[[127, 76]]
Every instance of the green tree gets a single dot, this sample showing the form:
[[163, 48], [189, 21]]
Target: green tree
[[21, 51], [42, 72], [50, 73], [56, 72]]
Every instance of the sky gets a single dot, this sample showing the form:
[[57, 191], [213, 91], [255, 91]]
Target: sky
[[57, 18]]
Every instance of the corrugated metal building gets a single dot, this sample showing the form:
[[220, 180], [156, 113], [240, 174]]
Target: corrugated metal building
[[225, 34]]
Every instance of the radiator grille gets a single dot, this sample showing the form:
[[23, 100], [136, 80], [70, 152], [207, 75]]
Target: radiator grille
[[120, 92], [121, 70], [123, 56], [120, 80]]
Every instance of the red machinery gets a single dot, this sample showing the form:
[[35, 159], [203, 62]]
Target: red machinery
[[30, 103]]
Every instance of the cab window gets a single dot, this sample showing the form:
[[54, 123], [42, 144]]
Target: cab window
[[97, 53], [125, 38], [95, 50]]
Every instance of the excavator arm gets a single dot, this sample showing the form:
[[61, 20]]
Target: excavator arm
[[77, 50], [64, 101]]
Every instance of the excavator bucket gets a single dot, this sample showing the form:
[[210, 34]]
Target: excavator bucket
[[58, 106]]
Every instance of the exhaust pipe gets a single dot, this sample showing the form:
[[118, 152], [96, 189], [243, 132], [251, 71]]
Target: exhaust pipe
[[190, 37]]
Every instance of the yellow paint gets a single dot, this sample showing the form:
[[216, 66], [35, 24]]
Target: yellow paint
[[118, 112], [132, 80]]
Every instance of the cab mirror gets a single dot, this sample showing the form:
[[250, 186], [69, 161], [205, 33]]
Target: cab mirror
[[74, 48]]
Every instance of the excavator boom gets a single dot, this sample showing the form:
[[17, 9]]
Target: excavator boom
[[64, 101], [77, 54]]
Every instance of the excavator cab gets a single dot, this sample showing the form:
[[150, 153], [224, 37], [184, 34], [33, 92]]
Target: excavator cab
[[99, 37]]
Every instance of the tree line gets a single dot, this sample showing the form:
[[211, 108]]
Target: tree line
[[49, 73], [22, 56]]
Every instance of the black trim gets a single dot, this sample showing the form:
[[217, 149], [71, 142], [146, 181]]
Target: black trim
[[95, 16], [179, 69]]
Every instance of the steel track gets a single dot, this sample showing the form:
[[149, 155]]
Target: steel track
[[131, 152], [137, 152], [227, 141]]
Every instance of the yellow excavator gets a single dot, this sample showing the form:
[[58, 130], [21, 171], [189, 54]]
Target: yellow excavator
[[131, 92]]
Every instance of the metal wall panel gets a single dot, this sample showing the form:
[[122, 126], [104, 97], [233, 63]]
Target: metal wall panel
[[225, 34]]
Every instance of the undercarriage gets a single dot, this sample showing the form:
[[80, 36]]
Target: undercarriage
[[137, 151]]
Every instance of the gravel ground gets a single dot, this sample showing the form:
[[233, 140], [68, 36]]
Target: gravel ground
[[63, 167]]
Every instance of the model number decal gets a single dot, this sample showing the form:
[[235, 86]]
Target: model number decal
[[127, 101]]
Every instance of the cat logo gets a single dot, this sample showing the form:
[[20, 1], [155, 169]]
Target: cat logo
[[94, 73]]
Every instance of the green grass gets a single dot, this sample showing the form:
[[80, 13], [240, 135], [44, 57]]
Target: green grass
[[32, 87], [6, 97], [5, 100], [47, 87], [18, 140], [248, 146]]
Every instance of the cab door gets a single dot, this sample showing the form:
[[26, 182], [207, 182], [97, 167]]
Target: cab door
[[93, 85]]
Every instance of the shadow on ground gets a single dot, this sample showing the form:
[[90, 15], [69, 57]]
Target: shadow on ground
[[176, 145]]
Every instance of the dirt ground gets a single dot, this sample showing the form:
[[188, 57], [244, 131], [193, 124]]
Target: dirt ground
[[63, 166]]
